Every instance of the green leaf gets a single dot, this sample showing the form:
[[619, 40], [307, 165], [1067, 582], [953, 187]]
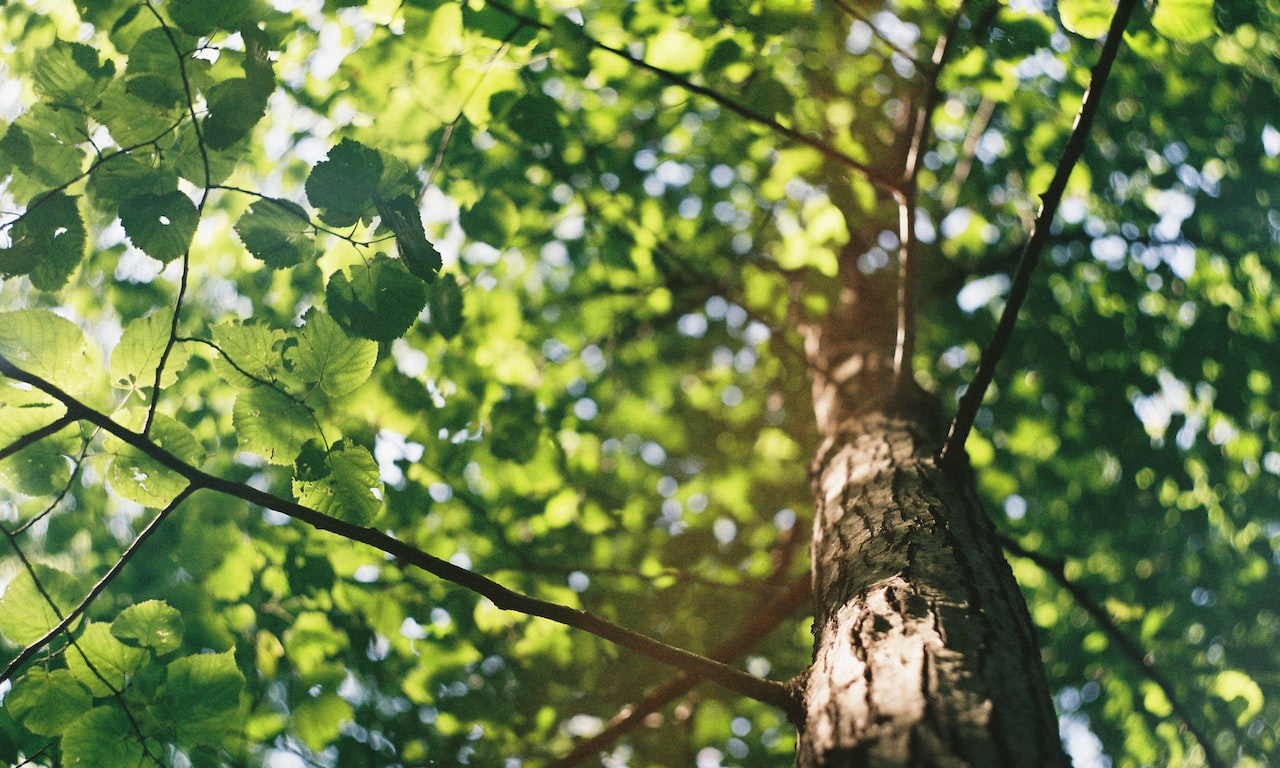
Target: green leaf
[[131, 119], [201, 17], [493, 219], [277, 232], [161, 225], [317, 722], [445, 300], [134, 360], [515, 428], [326, 356], [349, 491], [47, 702], [235, 107], [342, 187], [401, 216], [47, 243], [535, 117], [1186, 21], [154, 73], [675, 50], [41, 469], [248, 348], [69, 73], [1087, 18], [200, 688], [101, 738], [272, 425], [102, 663], [143, 480], [124, 175], [376, 300], [44, 344], [151, 624], [25, 612]]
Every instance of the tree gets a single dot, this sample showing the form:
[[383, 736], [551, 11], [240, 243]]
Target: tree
[[347, 344]]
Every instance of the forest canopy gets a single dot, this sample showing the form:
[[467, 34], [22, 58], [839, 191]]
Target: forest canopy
[[426, 383]]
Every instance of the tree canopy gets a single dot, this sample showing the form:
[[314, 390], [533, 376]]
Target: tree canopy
[[423, 382]]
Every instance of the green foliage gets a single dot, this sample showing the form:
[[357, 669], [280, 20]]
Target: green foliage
[[460, 272]]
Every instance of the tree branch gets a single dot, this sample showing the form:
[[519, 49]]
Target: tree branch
[[36, 436], [953, 450], [831, 153], [767, 691], [1128, 648]]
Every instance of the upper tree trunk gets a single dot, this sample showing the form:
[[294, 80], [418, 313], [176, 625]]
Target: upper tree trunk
[[924, 654]]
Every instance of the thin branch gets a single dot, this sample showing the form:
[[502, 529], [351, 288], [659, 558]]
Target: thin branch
[[826, 150], [35, 647], [35, 436], [1128, 648], [953, 450], [761, 623], [905, 197], [767, 691]]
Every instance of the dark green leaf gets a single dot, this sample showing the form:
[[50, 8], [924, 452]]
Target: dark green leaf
[[160, 225], [515, 428], [278, 232], [235, 107], [200, 17], [312, 462], [343, 186], [401, 216], [124, 175], [377, 300], [153, 73], [445, 302], [69, 73], [48, 242], [493, 219], [38, 149], [349, 491]]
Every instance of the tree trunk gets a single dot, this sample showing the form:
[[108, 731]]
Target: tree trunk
[[924, 654]]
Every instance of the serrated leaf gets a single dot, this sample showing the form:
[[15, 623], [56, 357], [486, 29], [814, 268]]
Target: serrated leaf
[[25, 612], [143, 480], [122, 176], [317, 722], [1087, 18], [102, 663], [312, 462], [47, 702], [161, 225], [199, 688], [151, 624], [271, 425], [200, 17], [1186, 21], [342, 186], [131, 119], [45, 344], [326, 356], [248, 348], [350, 491], [39, 149], [235, 107], [153, 73], [134, 360], [188, 160], [47, 244], [277, 232], [401, 216], [70, 73], [40, 469], [101, 738], [377, 300], [445, 302]]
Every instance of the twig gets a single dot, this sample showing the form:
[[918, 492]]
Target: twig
[[35, 436], [831, 153], [1129, 649], [770, 692], [953, 450]]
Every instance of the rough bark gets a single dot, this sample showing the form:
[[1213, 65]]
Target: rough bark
[[924, 653]]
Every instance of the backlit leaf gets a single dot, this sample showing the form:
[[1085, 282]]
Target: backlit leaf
[[350, 491], [141, 479], [135, 359], [25, 613], [272, 425], [102, 663], [277, 232], [151, 624], [327, 357], [377, 300], [47, 244], [47, 702]]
